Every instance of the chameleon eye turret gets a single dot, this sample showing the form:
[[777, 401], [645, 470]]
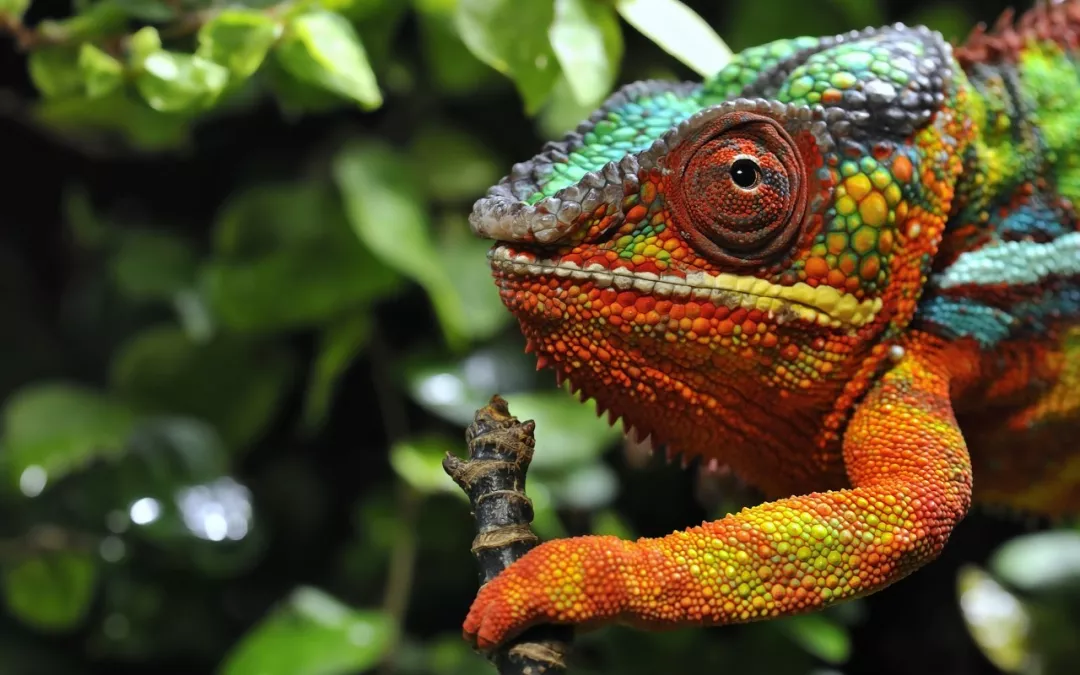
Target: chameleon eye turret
[[737, 189]]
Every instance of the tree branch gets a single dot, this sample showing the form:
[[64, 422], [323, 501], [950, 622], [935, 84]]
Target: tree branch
[[500, 450]]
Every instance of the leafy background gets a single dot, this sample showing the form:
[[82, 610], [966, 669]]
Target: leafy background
[[242, 319]]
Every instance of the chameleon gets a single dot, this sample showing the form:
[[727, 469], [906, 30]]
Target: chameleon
[[845, 269]]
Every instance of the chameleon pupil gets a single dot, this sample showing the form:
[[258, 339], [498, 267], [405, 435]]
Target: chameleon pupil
[[745, 173]]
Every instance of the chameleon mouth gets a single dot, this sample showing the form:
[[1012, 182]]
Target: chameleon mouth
[[821, 305]]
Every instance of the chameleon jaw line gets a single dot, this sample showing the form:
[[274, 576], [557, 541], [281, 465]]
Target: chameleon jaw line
[[822, 305]]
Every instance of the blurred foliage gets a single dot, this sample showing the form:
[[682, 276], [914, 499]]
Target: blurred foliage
[[222, 425]]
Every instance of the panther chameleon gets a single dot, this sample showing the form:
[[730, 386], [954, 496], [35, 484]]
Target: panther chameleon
[[846, 268]]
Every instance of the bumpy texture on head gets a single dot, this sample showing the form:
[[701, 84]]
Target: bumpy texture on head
[[690, 260]]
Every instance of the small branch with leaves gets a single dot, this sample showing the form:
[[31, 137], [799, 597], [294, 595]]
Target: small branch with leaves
[[132, 69], [493, 477]]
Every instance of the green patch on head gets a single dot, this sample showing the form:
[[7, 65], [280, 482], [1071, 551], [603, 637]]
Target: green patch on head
[[638, 115], [627, 127]]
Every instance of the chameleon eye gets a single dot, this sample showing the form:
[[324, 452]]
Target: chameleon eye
[[745, 173], [738, 189]]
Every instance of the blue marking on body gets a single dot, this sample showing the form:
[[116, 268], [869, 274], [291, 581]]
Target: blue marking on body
[[1034, 219], [958, 317]]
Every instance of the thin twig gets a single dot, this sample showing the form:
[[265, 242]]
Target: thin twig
[[500, 449], [399, 580]]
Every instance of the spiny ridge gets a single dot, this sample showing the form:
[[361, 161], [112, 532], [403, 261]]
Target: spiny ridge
[[1058, 23]]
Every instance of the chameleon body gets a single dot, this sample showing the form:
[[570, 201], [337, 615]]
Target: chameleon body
[[848, 269]]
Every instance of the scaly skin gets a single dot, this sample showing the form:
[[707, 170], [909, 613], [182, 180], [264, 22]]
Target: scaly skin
[[848, 268]]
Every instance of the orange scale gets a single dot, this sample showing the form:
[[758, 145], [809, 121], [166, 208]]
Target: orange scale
[[837, 278], [648, 192], [902, 168], [636, 214]]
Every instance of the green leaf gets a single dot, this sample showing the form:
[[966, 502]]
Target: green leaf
[[279, 215], [298, 97], [55, 71], [679, 31], [387, 212], [512, 37], [291, 289], [418, 462], [750, 21], [14, 8], [448, 654], [51, 592], [482, 312], [357, 10], [453, 165], [95, 20], [452, 67], [952, 20], [175, 82], [859, 13], [322, 48], [59, 427], [155, 11], [287, 258], [232, 384], [587, 41], [339, 344], [818, 635], [151, 265], [238, 39], [563, 113], [101, 73], [143, 43], [311, 633], [568, 432], [609, 523], [999, 622], [1041, 561], [119, 113]]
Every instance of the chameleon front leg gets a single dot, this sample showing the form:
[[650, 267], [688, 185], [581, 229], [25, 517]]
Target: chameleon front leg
[[911, 475]]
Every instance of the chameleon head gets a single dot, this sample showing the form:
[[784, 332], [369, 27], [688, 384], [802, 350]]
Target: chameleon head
[[696, 266]]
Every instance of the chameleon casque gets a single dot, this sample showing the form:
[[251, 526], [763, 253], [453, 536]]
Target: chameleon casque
[[848, 269]]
